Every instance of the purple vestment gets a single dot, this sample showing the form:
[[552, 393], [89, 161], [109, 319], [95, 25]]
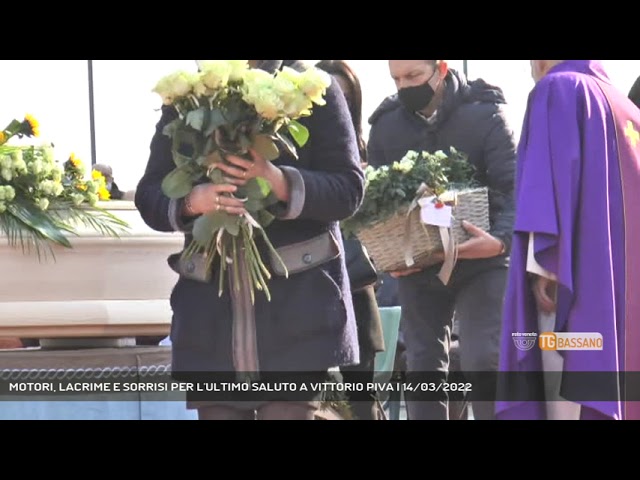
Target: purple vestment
[[578, 191]]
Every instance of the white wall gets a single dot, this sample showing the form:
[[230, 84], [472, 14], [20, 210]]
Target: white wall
[[56, 93], [127, 112]]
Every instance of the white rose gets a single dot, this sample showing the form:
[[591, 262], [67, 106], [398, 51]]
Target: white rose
[[215, 73]]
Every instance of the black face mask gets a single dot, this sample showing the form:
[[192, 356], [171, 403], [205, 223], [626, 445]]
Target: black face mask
[[416, 98]]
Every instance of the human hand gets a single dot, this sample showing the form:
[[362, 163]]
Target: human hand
[[544, 291], [209, 197], [480, 245], [436, 257], [238, 171], [404, 273]]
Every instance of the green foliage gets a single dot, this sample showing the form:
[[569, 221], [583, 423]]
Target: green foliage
[[177, 183], [391, 189], [299, 132]]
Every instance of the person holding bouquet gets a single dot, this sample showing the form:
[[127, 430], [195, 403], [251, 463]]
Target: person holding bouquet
[[307, 322]]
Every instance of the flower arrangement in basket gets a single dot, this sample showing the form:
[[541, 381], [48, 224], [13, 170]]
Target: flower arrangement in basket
[[42, 202], [227, 108], [413, 209]]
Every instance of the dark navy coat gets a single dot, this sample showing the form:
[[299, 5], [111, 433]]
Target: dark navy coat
[[309, 324]]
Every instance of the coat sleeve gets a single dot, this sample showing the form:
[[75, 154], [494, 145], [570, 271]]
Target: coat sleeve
[[500, 161], [331, 187], [157, 210], [375, 152]]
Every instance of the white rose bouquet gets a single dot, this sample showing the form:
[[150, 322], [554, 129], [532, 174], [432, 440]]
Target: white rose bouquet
[[227, 108]]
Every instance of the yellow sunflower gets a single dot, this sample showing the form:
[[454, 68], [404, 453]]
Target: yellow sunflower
[[103, 193], [98, 177], [76, 162], [31, 126]]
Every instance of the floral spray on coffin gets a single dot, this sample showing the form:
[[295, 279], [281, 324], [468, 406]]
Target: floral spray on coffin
[[43, 202], [228, 108]]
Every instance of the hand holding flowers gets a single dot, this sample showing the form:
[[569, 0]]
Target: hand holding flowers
[[233, 122]]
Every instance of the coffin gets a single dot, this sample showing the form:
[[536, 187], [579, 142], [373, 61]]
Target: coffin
[[103, 287]]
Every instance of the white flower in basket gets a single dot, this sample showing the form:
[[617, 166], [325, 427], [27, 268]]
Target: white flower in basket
[[413, 211]]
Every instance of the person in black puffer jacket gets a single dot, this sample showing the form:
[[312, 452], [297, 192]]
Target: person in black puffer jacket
[[436, 108]]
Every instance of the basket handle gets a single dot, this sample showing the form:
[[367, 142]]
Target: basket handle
[[406, 241], [450, 254]]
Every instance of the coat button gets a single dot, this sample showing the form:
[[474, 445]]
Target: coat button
[[307, 258], [190, 267]]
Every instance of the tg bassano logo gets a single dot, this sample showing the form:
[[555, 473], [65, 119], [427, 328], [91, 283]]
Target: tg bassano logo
[[570, 341]]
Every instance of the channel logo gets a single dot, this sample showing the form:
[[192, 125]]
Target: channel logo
[[551, 341], [524, 341]]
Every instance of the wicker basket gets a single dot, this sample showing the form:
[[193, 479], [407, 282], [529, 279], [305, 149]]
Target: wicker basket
[[384, 241]]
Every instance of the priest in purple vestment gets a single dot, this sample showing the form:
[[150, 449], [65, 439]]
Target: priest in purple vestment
[[575, 260]]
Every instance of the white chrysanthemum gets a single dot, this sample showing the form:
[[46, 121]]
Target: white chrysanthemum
[[6, 162], [43, 204], [77, 199], [9, 193]]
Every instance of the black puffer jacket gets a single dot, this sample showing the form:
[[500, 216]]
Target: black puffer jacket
[[470, 119]]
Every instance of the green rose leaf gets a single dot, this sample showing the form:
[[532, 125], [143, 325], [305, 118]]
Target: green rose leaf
[[177, 184], [195, 119], [232, 224], [206, 226], [253, 205], [170, 128], [264, 218], [257, 188], [299, 132], [216, 120], [187, 142], [180, 160], [266, 147], [265, 186]]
